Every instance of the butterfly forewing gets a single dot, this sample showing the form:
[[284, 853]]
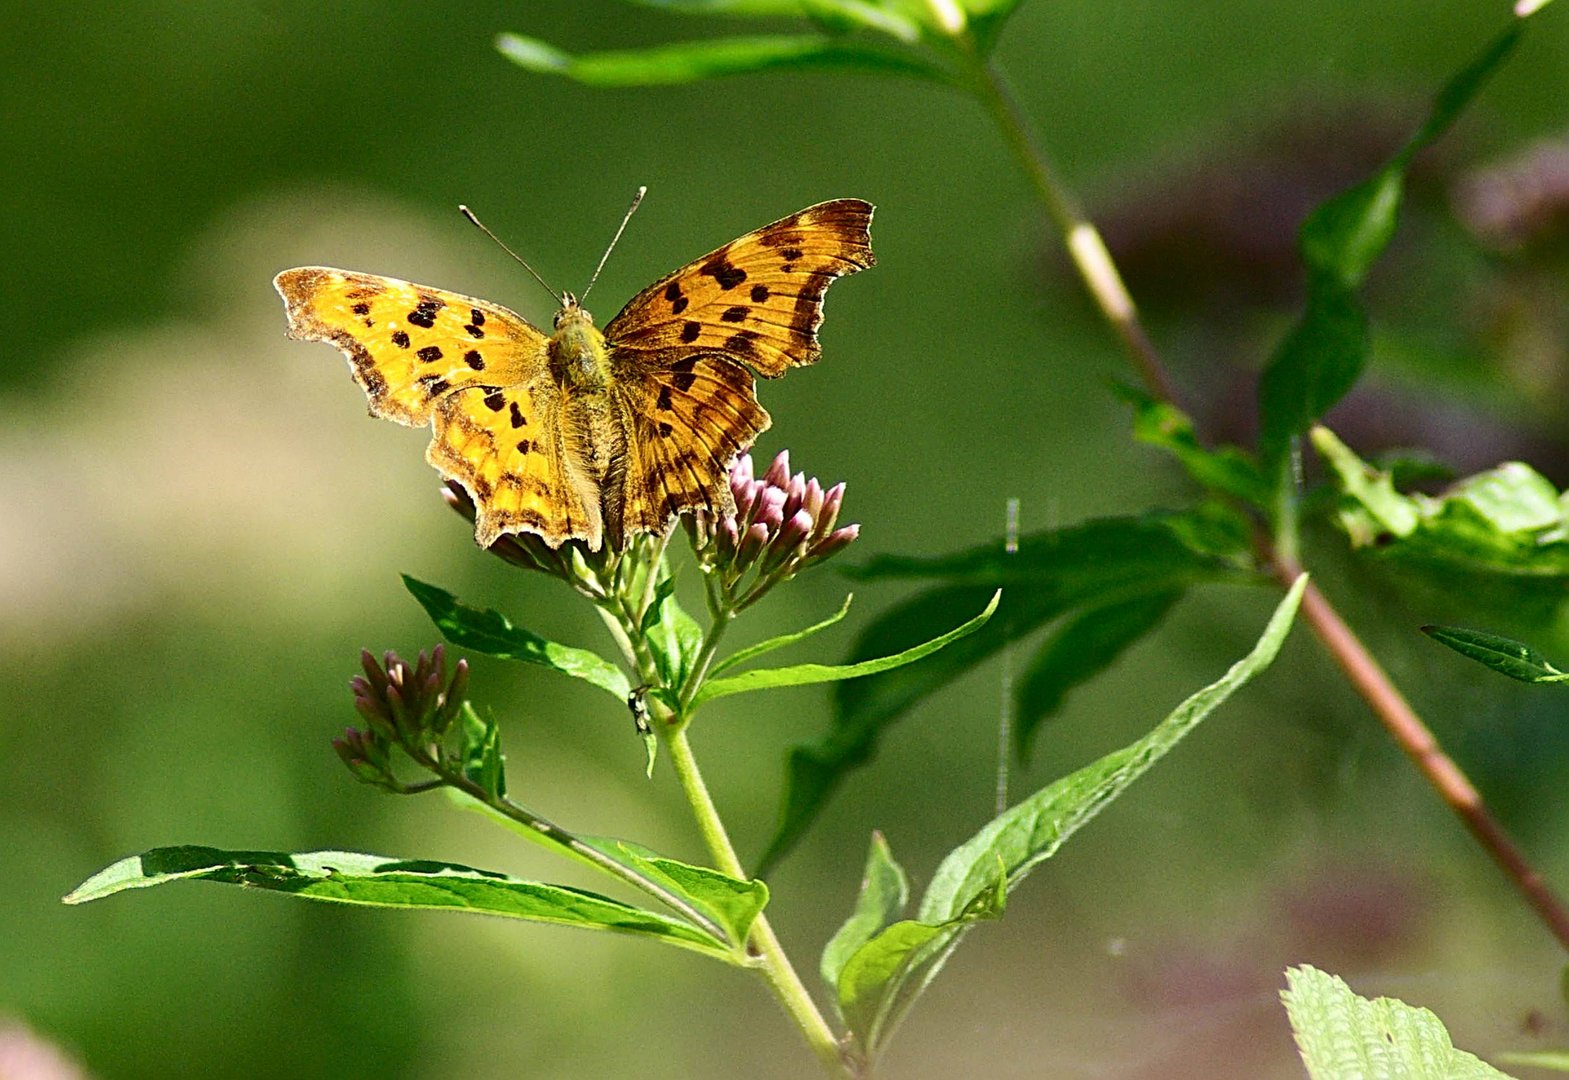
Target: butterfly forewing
[[409, 344], [758, 299]]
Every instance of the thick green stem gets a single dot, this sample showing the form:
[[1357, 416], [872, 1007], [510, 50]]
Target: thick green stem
[[776, 967]]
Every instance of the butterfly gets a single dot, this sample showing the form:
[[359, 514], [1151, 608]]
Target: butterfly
[[583, 434]]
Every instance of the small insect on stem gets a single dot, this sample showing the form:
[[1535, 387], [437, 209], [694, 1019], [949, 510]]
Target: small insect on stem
[[637, 701]]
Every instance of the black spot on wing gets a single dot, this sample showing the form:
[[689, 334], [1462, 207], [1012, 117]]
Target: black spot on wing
[[474, 360], [400, 339], [429, 354]]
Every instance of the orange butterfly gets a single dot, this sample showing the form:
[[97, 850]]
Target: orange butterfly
[[582, 434]]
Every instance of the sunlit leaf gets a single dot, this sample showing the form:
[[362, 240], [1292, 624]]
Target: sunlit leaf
[[346, 877], [752, 652], [807, 674], [883, 978], [1505, 655], [492, 633], [690, 61], [730, 902], [674, 636], [1508, 522], [1034, 829], [1341, 1035], [884, 892]]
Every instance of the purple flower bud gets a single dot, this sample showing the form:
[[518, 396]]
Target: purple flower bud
[[832, 500], [751, 545], [812, 500], [795, 495], [741, 471], [789, 542], [770, 509], [835, 542], [778, 474]]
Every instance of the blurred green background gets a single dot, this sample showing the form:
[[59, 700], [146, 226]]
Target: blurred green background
[[199, 528]]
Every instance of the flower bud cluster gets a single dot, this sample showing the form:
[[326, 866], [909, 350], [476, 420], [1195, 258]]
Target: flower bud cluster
[[411, 707], [781, 525]]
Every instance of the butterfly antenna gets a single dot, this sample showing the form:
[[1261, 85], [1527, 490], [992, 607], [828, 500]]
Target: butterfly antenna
[[466, 212], [641, 191]]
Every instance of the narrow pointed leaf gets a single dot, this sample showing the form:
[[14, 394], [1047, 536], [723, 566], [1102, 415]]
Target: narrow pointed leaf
[[1340, 1035], [1033, 830], [1226, 470], [752, 652], [345, 877], [806, 674], [884, 892], [492, 633], [1076, 652], [691, 61], [1504, 655]]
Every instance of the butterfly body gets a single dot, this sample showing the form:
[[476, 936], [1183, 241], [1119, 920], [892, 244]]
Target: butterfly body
[[585, 433]]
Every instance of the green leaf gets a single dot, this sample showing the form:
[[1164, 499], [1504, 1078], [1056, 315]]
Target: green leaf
[[732, 903], [346, 877], [884, 892], [1341, 1035], [752, 652], [840, 15], [1505, 655], [1106, 561], [1076, 652], [690, 61], [806, 674], [490, 632], [673, 635], [1032, 831], [883, 978], [1319, 360], [483, 762], [1506, 523], [1325, 352], [1226, 470]]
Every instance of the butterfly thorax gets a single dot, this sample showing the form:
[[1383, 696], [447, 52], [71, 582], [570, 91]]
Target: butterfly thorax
[[578, 357]]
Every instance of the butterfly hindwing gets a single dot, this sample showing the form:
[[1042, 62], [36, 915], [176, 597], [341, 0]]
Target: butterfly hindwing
[[686, 423], [758, 299], [409, 344]]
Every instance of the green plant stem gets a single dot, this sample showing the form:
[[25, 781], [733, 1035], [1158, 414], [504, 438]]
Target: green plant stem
[[776, 966], [705, 660], [1100, 276]]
